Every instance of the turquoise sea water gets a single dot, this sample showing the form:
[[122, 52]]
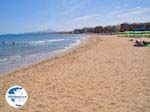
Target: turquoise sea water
[[30, 48]]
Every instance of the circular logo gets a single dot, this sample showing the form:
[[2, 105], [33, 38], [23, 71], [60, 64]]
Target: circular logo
[[16, 96]]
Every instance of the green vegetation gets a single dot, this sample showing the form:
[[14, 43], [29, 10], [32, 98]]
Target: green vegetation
[[137, 34]]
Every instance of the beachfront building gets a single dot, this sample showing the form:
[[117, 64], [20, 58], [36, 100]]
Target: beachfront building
[[78, 31], [98, 29], [135, 27]]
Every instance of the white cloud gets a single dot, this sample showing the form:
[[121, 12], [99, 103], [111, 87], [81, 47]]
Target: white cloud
[[91, 20], [116, 17], [70, 6], [138, 7], [86, 18], [131, 13]]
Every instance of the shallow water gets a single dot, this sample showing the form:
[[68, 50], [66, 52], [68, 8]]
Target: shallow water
[[30, 48]]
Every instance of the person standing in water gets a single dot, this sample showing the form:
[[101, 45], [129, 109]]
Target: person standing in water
[[13, 43], [3, 43]]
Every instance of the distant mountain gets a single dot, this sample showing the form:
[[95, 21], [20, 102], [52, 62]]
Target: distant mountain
[[36, 32], [42, 31], [46, 31]]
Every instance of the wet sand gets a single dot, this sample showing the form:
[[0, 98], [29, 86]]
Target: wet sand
[[106, 74]]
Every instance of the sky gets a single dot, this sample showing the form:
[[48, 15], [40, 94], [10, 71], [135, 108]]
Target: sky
[[18, 16]]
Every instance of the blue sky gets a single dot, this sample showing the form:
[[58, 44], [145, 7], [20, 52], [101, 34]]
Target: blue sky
[[17, 16]]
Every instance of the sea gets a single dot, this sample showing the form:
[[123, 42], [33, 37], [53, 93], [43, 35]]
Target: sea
[[19, 50]]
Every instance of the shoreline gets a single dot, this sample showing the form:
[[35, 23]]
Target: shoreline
[[106, 73], [51, 55]]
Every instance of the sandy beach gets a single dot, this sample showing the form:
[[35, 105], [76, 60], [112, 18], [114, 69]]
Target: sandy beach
[[106, 74]]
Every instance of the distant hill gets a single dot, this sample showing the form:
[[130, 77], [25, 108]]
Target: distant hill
[[36, 32], [46, 31], [42, 31]]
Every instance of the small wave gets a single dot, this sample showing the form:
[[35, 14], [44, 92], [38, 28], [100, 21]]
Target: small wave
[[37, 42], [14, 57], [3, 60], [73, 45], [9, 58], [55, 40], [42, 42]]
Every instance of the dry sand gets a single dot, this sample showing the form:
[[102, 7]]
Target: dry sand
[[106, 74]]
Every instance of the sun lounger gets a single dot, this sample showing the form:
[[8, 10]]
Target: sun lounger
[[141, 44]]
